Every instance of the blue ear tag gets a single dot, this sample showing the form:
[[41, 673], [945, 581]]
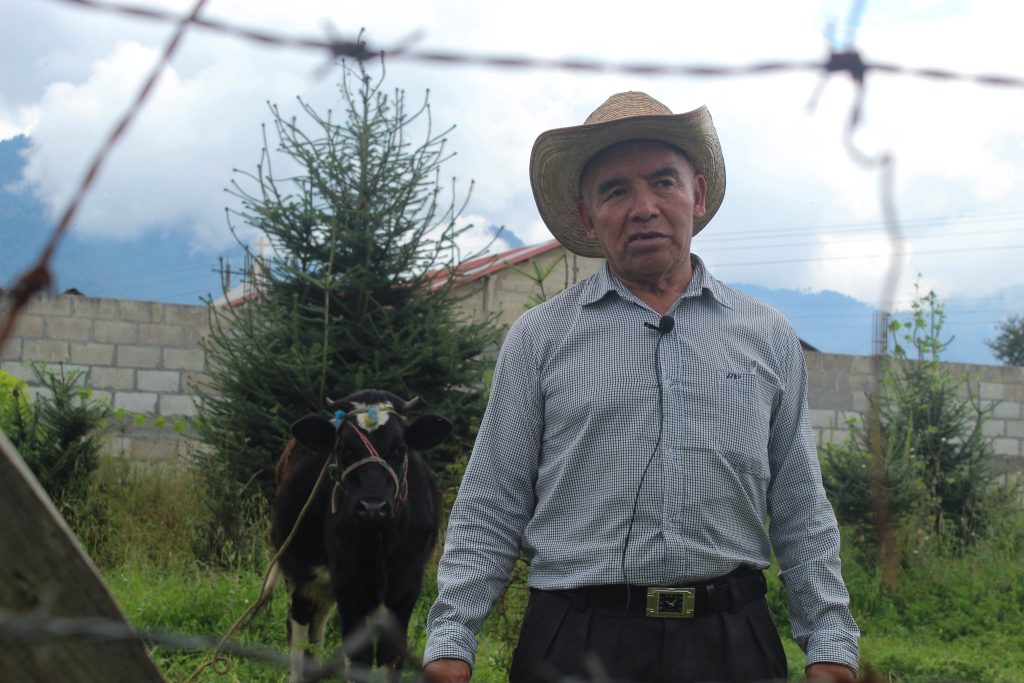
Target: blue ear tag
[[339, 415]]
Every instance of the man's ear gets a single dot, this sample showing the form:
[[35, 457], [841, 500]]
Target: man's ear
[[588, 224], [700, 193], [315, 432], [427, 431]]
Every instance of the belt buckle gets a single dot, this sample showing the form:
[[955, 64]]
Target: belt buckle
[[670, 603]]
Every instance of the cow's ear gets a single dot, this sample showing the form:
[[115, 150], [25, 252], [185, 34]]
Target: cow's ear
[[428, 431], [315, 432]]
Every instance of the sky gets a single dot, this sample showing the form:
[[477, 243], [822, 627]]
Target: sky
[[799, 212]]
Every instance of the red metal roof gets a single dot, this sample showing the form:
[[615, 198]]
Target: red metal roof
[[483, 266]]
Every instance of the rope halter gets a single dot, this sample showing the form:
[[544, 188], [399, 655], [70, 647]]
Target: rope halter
[[374, 418]]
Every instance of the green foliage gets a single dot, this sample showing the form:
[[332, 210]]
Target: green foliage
[[928, 453], [58, 434], [538, 275], [15, 408], [951, 617], [1008, 346], [356, 293]]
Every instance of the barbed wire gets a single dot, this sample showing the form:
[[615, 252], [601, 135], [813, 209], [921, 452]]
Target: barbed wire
[[35, 628], [846, 60]]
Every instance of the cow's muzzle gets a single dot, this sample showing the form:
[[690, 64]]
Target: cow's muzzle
[[372, 511]]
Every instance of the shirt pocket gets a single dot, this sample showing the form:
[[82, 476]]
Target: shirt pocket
[[744, 405]]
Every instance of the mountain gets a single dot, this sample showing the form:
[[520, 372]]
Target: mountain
[[837, 323], [160, 267]]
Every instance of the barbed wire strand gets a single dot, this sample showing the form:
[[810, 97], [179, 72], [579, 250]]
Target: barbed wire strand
[[360, 50]]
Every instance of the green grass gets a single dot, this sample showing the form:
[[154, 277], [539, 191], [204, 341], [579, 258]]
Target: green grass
[[950, 618]]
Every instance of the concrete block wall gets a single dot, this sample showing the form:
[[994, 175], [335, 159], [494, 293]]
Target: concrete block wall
[[140, 356], [839, 386], [144, 356]]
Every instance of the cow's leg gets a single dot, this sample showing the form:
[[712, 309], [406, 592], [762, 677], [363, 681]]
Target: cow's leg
[[354, 622], [309, 605], [393, 644]]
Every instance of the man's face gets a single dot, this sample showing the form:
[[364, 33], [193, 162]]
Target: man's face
[[639, 200]]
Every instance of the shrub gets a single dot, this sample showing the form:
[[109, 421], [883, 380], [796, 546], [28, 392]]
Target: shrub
[[58, 434], [918, 464]]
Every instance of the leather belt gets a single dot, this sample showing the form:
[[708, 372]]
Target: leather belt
[[674, 602]]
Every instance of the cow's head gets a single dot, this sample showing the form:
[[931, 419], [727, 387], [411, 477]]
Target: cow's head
[[370, 439]]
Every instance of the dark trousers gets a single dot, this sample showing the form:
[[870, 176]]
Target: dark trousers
[[569, 634]]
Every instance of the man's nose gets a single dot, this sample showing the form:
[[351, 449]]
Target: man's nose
[[645, 205]]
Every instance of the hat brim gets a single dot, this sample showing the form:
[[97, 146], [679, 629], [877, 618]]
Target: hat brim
[[560, 155]]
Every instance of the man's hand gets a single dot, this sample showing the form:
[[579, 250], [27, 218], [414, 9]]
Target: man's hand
[[447, 671], [825, 672]]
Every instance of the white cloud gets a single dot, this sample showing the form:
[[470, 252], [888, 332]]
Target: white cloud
[[958, 147]]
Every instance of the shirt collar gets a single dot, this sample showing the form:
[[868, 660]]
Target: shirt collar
[[605, 281]]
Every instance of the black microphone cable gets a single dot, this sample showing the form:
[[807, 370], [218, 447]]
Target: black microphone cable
[[664, 326]]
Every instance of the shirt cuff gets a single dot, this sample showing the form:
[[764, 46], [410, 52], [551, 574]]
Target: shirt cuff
[[449, 640], [835, 647]]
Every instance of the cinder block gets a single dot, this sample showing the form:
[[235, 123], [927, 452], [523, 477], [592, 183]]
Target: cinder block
[[1006, 446], [189, 316], [73, 329], [819, 381], [991, 428], [1015, 429], [115, 332], [136, 401], [49, 305], [992, 391], [92, 354], [11, 350], [140, 311], [161, 334], [94, 309], [1015, 392], [1007, 410], [191, 379], [138, 356], [45, 350], [195, 337], [29, 326], [823, 419], [105, 396], [178, 405], [184, 359], [164, 381], [113, 378], [20, 370]]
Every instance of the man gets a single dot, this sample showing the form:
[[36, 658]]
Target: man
[[643, 428]]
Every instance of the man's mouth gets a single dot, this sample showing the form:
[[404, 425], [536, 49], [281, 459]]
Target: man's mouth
[[645, 237]]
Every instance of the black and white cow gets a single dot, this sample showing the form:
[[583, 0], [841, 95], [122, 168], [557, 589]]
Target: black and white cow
[[371, 527]]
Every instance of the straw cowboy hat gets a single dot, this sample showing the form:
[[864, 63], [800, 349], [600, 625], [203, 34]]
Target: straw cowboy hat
[[560, 155]]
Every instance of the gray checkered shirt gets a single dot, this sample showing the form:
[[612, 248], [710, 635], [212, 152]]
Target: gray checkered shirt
[[571, 423]]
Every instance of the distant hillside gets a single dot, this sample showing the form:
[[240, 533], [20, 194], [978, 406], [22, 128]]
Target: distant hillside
[[161, 267], [836, 323]]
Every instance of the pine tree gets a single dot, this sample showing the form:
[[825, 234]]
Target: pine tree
[[350, 297]]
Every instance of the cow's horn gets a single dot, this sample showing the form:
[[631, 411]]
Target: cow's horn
[[411, 402]]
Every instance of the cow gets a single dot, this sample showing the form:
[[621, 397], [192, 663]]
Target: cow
[[369, 529]]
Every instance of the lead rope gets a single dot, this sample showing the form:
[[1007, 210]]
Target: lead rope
[[221, 664]]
